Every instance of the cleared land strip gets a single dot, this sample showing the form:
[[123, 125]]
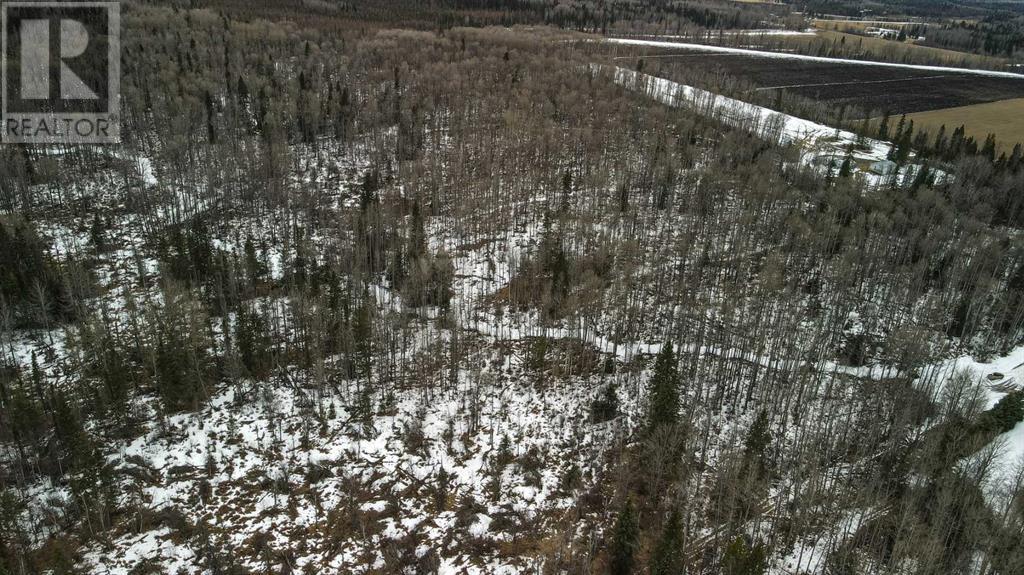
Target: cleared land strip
[[675, 55], [789, 56]]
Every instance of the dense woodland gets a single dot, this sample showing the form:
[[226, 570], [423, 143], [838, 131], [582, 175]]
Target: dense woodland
[[365, 300], [994, 35], [924, 9], [581, 15]]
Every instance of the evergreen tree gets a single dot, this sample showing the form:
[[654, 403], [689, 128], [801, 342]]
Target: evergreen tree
[[740, 558], [97, 234], [537, 354], [664, 389], [362, 334], [110, 363], [988, 149], [921, 178], [846, 168], [668, 558], [883, 127], [253, 342], [940, 142], [24, 419], [900, 127], [362, 410], [1014, 161], [254, 267], [625, 538], [182, 362], [1005, 415], [68, 429], [605, 407], [755, 446], [417, 245]]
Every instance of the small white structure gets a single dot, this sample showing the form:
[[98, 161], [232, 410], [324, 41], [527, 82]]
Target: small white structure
[[890, 33]]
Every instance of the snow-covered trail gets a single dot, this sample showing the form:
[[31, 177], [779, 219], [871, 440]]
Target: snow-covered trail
[[788, 56]]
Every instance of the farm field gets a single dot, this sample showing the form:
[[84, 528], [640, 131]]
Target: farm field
[[897, 90], [1005, 119], [907, 51]]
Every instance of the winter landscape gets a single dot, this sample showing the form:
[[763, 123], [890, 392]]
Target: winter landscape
[[515, 287]]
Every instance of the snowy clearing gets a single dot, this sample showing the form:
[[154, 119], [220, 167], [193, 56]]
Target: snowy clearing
[[753, 32]]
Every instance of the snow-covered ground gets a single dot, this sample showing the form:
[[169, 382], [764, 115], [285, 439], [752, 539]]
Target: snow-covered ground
[[1010, 446], [999, 376], [295, 465], [789, 56], [1002, 373], [752, 32], [278, 440], [453, 469]]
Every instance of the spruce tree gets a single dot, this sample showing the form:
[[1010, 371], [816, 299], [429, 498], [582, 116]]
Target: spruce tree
[[989, 148], [1005, 415], [417, 245], [25, 421], [883, 128], [664, 389], [755, 445], [846, 169], [624, 541], [606, 406], [182, 364], [668, 557], [740, 558], [253, 342], [69, 431], [362, 334], [255, 269], [97, 234]]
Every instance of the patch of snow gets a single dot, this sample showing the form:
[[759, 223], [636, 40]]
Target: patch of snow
[[145, 168], [751, 32], [480, 527], [1010, 366]]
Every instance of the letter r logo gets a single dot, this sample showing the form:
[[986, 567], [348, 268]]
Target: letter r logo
[[61, 65]]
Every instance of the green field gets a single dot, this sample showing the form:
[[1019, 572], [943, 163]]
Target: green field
[[1004, 118]]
